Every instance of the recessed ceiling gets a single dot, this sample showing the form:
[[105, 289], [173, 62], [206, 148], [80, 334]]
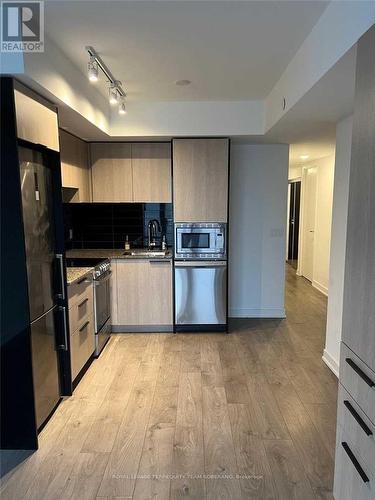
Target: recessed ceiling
[[230, 50]]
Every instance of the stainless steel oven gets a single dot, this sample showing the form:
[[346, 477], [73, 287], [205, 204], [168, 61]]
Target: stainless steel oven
[[102, 310], [200, 240]]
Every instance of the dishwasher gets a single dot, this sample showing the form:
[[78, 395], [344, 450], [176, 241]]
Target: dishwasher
[[200, 295]]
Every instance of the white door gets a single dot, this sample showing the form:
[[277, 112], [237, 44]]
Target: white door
[[309, 223]]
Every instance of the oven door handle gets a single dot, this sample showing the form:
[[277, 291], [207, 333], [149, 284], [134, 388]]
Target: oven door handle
[[102, 280]]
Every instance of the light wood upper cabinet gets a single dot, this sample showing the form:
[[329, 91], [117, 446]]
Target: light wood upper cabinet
[[144, 293], [75, 169], [35, 122], [111, 169], [152, 180], [200, 180]]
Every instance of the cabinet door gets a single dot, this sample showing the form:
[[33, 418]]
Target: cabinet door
[[152, 176], [144, 292], [35, 122], [75, 171], [111, 172], [200, 180], [359, 292]]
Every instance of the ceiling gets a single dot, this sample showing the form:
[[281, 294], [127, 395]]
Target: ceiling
[[310, 126], [230, 50]]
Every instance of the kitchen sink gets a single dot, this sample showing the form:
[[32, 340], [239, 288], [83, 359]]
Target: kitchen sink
[[146, 253]]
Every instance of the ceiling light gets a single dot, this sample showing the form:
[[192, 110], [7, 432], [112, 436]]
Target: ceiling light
[[183, 83], [113, 94], [92, 70], [304, 157], [122, 109]]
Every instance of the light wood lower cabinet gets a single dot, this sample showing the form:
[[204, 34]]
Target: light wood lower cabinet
[[111, 169], [144, 295], [81, 325], [75, 168]]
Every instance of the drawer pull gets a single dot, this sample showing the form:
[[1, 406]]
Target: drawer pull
[[361, 373], [81, 280], [362, 424], [84, 326], [355, 462], [83, 302]]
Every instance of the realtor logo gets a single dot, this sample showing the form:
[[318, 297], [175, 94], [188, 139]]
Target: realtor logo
[[22, 26]]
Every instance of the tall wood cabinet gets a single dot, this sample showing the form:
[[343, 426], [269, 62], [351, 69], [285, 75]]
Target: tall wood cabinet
[[200, 180], [355, 452], [111, 169], [75, 168]]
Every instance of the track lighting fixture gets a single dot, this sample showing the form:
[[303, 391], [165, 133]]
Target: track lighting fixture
[[116, 92], [92, 70], [113, 95], [122, 108]]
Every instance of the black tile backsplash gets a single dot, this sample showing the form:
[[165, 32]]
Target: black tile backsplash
[[105, 225]]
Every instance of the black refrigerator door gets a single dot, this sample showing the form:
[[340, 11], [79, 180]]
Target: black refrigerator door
[[37, 205], [45, 365]]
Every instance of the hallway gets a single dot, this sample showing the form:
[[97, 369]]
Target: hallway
[[246, 415]]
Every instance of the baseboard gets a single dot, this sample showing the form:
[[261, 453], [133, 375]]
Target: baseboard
[[320, 287], [235, 312], [142, 329], [331, 363]]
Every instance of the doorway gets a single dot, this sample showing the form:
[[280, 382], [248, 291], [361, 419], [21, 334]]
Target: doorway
[[309, 216], [293, 222]]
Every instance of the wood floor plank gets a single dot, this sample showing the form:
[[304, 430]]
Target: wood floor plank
[[220, 458], [188, 452], [253, 467], [287, 471], [307, 441]]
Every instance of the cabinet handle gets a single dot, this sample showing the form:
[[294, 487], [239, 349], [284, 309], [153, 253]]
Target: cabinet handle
[[355, 462], [160, 261], [360, 372], [60, 258], [83, 302], [81, 280], [362, 424], [84, 326]]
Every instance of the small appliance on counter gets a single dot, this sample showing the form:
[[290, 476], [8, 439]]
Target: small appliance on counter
[[102, 297], [200, 277]]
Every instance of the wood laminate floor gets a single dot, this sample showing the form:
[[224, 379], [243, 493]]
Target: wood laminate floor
[[249, 415]]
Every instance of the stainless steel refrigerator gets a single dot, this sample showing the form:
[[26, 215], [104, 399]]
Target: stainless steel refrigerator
[[45, 278]]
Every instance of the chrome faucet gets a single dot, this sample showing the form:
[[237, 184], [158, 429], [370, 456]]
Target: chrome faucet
[[153, 227]]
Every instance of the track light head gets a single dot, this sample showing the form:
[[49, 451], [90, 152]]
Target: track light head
[[113, 94], [92, 70], [122, 109]]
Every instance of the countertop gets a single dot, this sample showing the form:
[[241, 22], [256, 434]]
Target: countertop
[[117, 253], [74, 274]]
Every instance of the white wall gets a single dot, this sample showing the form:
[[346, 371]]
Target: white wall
[[323, 219], [295, 172], [258, 201], [322, 240], [338, 243]]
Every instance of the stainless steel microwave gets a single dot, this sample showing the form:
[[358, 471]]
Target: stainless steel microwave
[[200, 240]]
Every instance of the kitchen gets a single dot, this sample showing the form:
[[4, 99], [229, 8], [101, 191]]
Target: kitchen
[[116, 250]]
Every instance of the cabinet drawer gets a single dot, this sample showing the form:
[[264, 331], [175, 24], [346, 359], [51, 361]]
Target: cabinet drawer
[[82, 345], [353, 478], [77, 291], [358, 426], [81, 310], [359, 380]]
